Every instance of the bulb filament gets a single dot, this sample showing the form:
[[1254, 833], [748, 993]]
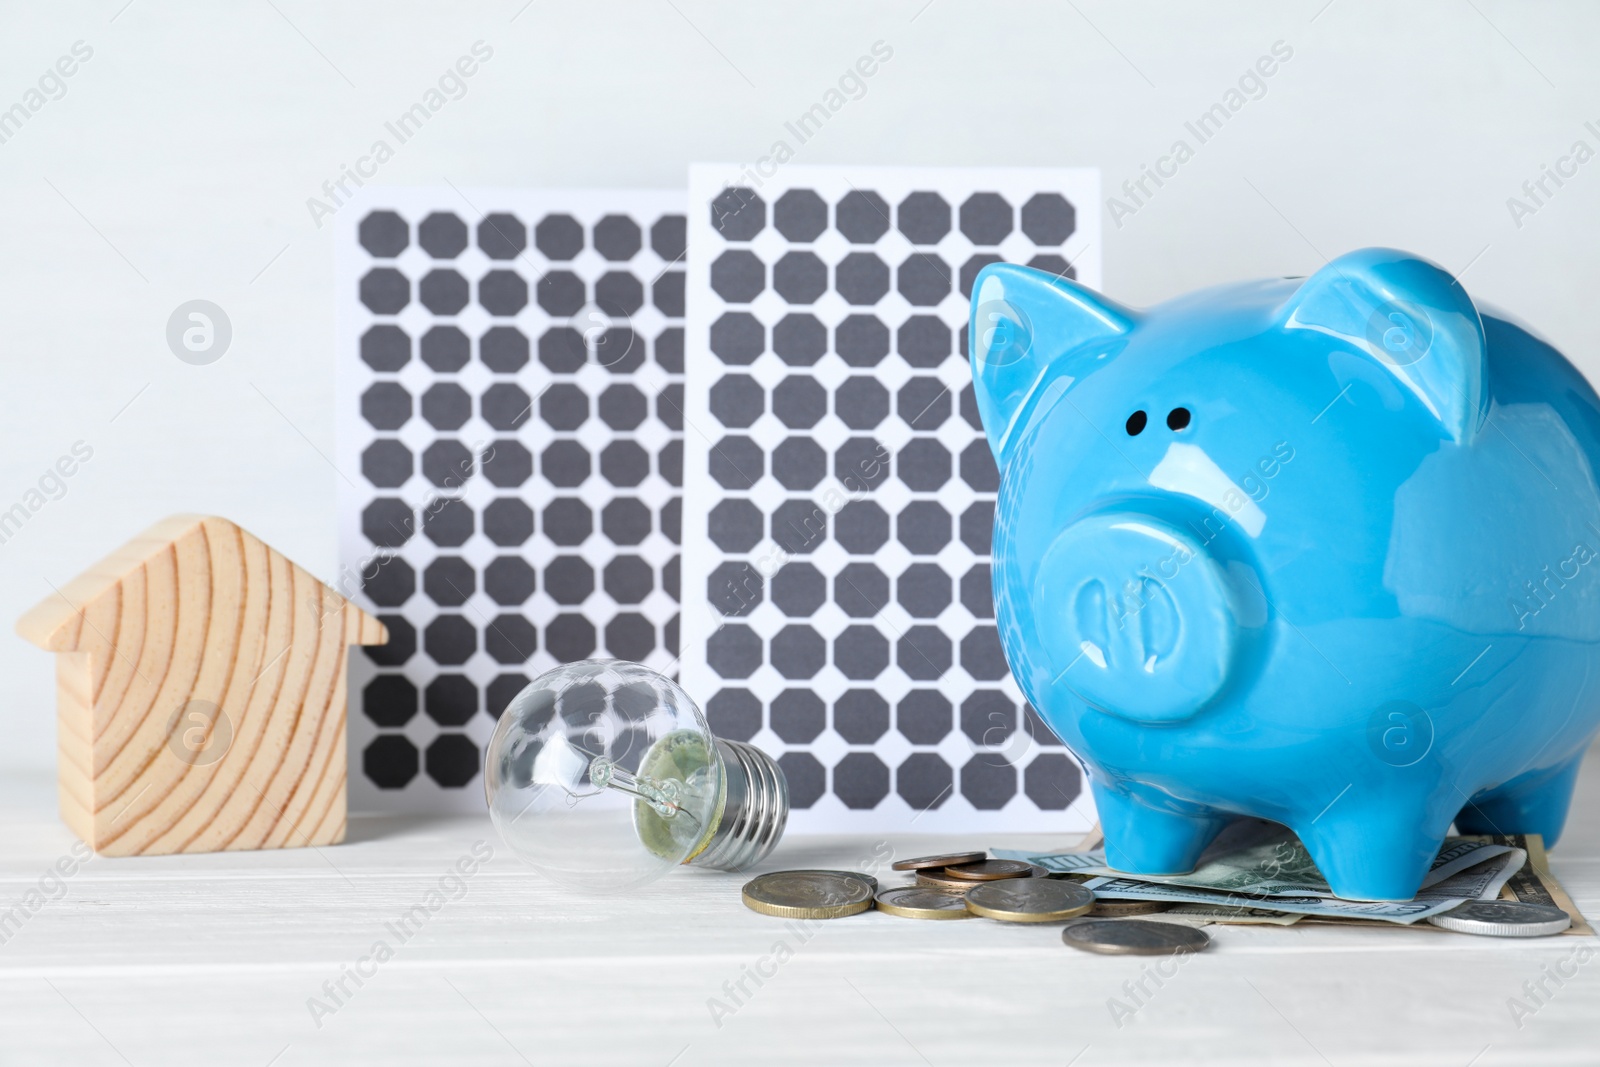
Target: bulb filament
[[662, 796]]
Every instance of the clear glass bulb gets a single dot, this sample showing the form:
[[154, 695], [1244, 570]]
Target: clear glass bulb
[[603, 775]]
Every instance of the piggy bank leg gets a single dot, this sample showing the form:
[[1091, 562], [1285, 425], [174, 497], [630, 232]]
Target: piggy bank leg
[[1530, 804], [1143, 839], [1378, 850]]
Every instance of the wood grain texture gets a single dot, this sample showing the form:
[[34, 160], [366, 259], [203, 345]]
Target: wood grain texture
[[200, 683]]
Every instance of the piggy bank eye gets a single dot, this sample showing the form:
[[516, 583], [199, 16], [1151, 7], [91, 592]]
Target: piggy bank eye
[[1136, 423], [1177, 418]]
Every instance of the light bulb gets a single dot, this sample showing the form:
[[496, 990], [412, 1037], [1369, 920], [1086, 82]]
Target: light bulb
[[602, 775]]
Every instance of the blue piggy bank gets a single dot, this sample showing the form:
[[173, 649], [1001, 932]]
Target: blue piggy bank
[[1320, 551]]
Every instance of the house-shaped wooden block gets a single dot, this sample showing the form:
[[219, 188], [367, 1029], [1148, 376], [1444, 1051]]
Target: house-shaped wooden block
[[200, 681]]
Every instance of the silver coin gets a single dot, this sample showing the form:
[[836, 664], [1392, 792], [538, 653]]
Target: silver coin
[[1503, 918], [918, 902], [1134, 937], [1029, 900]]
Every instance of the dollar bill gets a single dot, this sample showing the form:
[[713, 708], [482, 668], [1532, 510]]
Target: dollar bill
[[1535, 884], [1201, 914]]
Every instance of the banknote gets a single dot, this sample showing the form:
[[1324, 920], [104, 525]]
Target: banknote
[[1200, 914]]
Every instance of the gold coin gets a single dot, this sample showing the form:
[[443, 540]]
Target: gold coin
[[920, 902], [807, 894], [945, 860], [937, 880], [1114, 909], [990, 870], [1029, 900]]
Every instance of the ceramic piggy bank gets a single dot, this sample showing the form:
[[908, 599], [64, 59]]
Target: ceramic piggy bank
[[1324, 551]]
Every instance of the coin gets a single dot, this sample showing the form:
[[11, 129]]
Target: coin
[[1029, 900], [1137, 937], [989, 870], [808, 894], [872, 883], [1503, 918], [1107, 909], [937, 880], [945, 860], [920, 902]]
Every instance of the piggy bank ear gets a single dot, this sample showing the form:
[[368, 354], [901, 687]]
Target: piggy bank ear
[[1413, 318], [1032, 333]]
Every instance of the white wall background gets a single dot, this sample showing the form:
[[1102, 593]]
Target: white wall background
[[178, 164]]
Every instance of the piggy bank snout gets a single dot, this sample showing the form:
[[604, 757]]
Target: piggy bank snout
[[1136, 617]]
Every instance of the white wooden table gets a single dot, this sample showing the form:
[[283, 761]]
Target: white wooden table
[[213, 960]]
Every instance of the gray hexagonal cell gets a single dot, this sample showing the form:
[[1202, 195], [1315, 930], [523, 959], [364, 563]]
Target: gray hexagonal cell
[[617, 238], [861, 340], [619, 350], [799, 463], [734, 714], [499, 693], [923, 526], [618, 292], [807, 779], [507, 521], [402, 642], [924, 590], [988, 717], [388, 522], [509, 580], [387, 463], [861, 464], [968, 406], [860, 780], [385, 291], [563, 406], [861, 527], [506, 463], [627, 521], [977, 591], [666, 293], [1048, 219], [986, 218], [389, 584], [442, 235], [558, 237], [449, 581], [970, 269], [735, 588], [799, 589], [923, 716], [569, 638], [861, 402], [1051, 263], [988, 782], [737, 338], [798, 716], [669, 406], [923, 279], [505, 406], [565, 464], [446, 349], [447, 463], [734, 651], [562, 350], [924, 218], [1052, 781], [630, 636], [799, 339], [502, 292], [629, 579], [385, 348], [738, 275], [862, 216], [623, 407], [670, 583], [569, 522], [736, 462], [450, 640], [568, 580], [924, 781], [389, 700], [669, 463], [978, 469], [443, 292], [448, 523], [800, 215], [799, 401], [799, 526], [390, 762], [924, 653], [861, 716], [384, 234], [669, 237], [861, 590], [799, 277], [561, 292], [860, 653], [737, 400], [735, 525], [502, 235], [977, 526], [924, 465], [510, 639], [861, 278], [923, 402], [981, 654], [738, 213], [446, 406], [924, 341], [624, 463]]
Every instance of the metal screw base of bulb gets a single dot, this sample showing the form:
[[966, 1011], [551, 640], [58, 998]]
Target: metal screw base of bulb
[[755, 813]]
